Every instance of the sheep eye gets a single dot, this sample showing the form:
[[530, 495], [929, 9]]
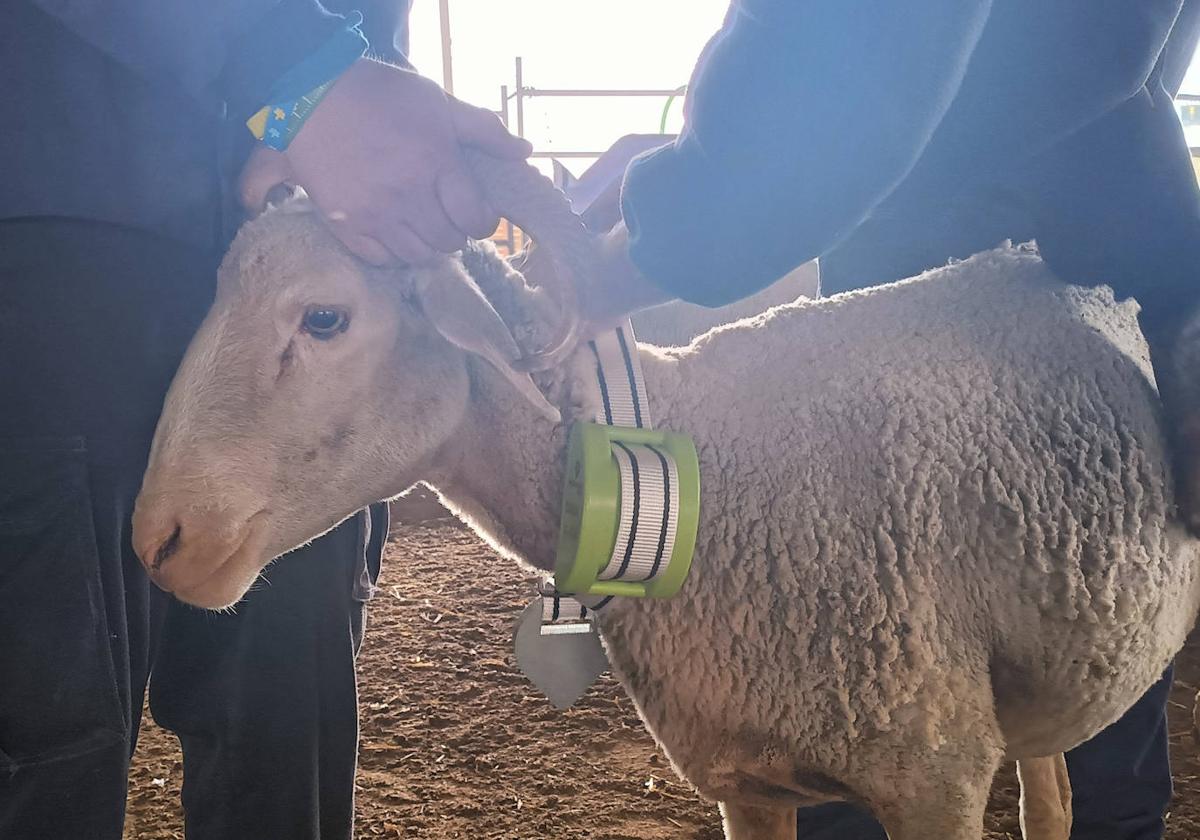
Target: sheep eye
[[324, 323]]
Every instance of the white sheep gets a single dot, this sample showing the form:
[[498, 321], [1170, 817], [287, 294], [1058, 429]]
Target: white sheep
[[936, 525]]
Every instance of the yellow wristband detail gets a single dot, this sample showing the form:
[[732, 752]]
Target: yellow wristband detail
[[258, 123], [276, 124]]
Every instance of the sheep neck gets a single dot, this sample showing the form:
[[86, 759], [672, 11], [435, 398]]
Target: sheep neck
[[506, 480], [502, 471]]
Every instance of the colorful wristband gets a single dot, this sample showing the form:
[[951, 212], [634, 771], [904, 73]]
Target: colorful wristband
[[328, 61], [276, 125], [297, 92]]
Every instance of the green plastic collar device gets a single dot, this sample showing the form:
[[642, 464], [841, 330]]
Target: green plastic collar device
[[591, 514], [631, 500]]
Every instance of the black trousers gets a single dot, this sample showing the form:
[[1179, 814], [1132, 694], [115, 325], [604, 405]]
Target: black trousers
[[93, 321]]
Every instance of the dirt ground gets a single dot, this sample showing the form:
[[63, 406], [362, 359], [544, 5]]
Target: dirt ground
[[457, 744]]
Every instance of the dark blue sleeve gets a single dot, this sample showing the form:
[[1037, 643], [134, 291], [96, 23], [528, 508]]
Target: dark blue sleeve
[[804, 115], [226, 50]]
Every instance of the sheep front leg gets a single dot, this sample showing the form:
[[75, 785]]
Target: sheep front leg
[[750, 822], [937, 800], [1045, 798]]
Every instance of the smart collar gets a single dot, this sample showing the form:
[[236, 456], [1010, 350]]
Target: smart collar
[[631, 500]]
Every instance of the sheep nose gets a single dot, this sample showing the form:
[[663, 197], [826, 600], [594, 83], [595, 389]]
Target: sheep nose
[[155, 546], [167, 548]]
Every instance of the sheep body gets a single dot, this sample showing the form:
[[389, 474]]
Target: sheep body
[[936, 531], [939, 507]]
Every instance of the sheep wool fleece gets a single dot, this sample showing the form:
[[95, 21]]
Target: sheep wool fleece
[[950, 516], [936, 522]]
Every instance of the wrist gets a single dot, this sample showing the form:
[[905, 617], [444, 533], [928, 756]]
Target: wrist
[[280, 39], [621, 289], [297, 92], [324, 64]]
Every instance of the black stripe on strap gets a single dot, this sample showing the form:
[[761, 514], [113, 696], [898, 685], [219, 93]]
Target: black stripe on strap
[[633, 385], [602, 603], [633, 522], [608, 419], [666, 517], [555, 613]]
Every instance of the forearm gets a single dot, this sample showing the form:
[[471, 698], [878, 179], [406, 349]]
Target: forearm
[[802, 118], [1181, 46], [1040, 73], [215, 50]]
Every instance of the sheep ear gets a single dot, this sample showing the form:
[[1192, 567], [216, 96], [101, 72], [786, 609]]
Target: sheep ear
[[461, 314]]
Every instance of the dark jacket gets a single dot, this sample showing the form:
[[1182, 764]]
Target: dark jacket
[[806, 116], [132, 112]]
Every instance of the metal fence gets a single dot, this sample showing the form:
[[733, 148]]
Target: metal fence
[[512, 113]]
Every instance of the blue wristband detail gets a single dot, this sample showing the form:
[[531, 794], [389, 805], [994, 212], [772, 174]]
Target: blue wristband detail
[[330, 60]]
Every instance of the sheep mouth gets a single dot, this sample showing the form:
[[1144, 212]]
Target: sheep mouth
[[233, 576]]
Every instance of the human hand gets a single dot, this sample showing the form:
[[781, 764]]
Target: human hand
[[616, 289], [604, 213], [380, 156]]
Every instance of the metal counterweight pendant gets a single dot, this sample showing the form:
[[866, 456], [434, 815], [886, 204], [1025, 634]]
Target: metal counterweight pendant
[[562, 665]]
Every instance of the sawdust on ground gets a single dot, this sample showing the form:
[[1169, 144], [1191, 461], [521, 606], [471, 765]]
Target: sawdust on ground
[[457, 744]]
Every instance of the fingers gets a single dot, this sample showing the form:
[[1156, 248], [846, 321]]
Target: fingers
[[416, 227], [407, 247], [265, 170], [408, 194], [603, 213], [366, 248], [429, 221], [464, 204], [397, 234], [482, 129]]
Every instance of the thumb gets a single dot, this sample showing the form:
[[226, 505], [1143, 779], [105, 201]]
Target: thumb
[[482, 129], [265, 170]]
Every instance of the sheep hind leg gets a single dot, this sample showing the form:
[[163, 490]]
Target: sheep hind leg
[[1045, 798], [751, 822]]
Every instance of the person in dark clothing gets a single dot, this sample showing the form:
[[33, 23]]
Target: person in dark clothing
[[125, 131], [886, 139]]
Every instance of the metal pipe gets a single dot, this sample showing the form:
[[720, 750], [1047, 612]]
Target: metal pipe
[[447, 63], [531, 91], [520, 100]]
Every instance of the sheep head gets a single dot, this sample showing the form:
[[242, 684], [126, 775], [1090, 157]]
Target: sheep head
[[318, 384]]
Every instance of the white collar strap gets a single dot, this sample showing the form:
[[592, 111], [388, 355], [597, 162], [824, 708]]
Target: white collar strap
[[630, 506], [644, 492], [619, 376]]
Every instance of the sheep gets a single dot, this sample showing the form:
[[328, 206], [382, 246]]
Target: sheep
[[937, 525]]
